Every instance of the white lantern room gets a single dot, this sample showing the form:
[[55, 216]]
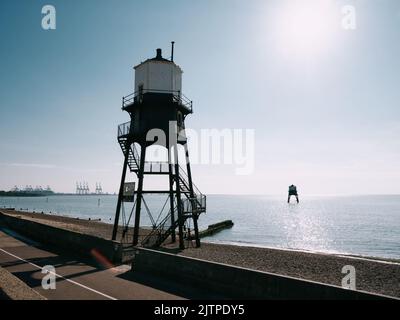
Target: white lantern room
[[158, 75]]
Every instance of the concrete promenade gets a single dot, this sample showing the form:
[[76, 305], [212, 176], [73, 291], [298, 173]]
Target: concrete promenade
[[82, 279]]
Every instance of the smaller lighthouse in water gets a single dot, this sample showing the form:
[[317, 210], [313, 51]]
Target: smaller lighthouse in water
[[158, 102]]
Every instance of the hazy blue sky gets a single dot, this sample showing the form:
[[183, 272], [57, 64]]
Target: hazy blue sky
[[324, 101]]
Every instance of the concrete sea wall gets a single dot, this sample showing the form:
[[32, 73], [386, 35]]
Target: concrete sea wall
[[215, 228], [238, 283], [84, 244]]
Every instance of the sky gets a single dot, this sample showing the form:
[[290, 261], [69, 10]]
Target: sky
[[322, 100]]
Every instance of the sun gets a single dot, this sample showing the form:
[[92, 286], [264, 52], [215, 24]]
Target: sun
[[306, 27]]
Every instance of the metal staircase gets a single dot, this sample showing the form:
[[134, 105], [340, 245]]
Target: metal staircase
[[150, 167], [195, 204], [191, 206], [160, 233], [133, 157]]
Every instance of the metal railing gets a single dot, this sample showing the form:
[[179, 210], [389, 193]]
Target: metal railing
[[124, 129], [136, 155], [199, 201], [183, 176], [195, 205], [177, 97], [128, 100], [156, 166]]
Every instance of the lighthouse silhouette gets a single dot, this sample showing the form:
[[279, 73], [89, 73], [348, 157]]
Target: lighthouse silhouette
[[157, 111]]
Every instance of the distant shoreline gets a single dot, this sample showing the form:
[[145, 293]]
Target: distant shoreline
[[25, 194], [84, 195], [12, 194]]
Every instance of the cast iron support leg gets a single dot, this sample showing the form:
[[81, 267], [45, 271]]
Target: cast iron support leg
[[171, 195], [121, 193], [179, 201], [192, 196], [139, 196]]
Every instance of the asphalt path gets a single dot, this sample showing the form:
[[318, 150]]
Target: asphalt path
[[79, 278]]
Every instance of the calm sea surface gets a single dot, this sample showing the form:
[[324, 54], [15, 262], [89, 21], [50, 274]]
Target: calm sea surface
[[361, 225]]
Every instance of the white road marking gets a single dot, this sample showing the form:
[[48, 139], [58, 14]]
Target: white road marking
[[59, 276]]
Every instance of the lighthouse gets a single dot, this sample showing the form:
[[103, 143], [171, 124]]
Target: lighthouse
[[158, 105]]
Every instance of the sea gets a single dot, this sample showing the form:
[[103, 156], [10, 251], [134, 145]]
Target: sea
[[353, 225]]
